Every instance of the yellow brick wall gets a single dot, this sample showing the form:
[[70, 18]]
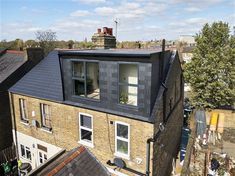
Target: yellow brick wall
[[65, 132]]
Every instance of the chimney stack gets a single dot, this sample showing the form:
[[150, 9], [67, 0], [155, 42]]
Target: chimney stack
[[105, 39], [35, 55]]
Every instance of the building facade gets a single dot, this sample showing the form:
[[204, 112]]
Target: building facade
[[121, 104]]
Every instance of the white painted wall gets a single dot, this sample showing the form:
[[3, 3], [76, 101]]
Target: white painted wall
[[32, 144]]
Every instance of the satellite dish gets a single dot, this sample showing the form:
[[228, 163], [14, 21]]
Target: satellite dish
[[119, 163]]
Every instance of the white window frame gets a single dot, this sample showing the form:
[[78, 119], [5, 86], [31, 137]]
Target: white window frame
[[128, 84], [23, 111], [43, 157], [83, 142], [119, 154], [26, 148], [49, 128]]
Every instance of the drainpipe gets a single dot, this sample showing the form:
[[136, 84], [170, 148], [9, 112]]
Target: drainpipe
[[164, 102], [148, 155], [154, 139], [14, 121], [162, 55]]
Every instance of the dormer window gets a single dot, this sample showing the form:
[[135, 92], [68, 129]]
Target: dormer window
[[86, 79]]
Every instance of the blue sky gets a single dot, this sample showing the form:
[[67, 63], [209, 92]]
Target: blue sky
[[138, 19]]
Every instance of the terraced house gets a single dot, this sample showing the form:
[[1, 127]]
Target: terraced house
[[125, 106]]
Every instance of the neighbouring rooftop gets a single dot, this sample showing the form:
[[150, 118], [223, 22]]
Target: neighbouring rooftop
[[10, 61], [77, 162]]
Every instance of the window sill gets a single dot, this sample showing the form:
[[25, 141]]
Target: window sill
[[46, 130], [123, 156], [128, 106], [86, 98], [91, 145], [24, 122]]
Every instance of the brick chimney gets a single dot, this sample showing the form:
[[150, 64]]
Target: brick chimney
[[105, 39], [35, 55]]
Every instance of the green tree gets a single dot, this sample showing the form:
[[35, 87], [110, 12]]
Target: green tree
[[46, 40], [70, 44], [18, 44], [30, 43], [211, 72]]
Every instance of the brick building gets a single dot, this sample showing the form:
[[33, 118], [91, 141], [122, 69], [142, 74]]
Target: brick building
[[126, 106]]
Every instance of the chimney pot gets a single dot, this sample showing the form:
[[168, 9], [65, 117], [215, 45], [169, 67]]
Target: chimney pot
[[105, 30], [111, 31]]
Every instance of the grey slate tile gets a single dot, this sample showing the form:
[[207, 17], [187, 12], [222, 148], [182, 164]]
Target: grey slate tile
[[43, 81]]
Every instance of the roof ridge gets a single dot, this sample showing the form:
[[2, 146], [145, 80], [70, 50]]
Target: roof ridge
[[67, 160], [14, 52]]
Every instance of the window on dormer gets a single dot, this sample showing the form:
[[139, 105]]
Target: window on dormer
[[128, 84], [86, 79]]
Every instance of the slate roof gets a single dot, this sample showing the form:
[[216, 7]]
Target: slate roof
[[136, 53], [77, 162], [43, 81], [10, 61]]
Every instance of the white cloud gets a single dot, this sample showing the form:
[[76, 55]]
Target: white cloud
[[24, 30], [155, 8], [192, 9], [68, 28], [32, 11], [132, 10], [196, 21], [197, 3], [71, 25], [80, 13], [90, 1], [105, 11]]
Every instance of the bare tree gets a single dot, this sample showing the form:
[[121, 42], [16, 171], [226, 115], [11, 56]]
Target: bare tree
[[46, 40]]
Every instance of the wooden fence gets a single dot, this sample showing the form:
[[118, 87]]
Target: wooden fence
[[190, 148], [7, 154]]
